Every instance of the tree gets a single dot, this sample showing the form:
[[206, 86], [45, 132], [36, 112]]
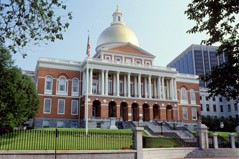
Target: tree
[[218, 19], [18, 98], [23, 22]]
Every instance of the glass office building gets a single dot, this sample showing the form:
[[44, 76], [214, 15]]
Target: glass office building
[[198, 60]]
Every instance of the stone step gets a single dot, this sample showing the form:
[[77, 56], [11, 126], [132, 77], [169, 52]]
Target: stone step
[[210, 153]]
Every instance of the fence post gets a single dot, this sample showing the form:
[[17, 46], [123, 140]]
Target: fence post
[[232, 140], [203, 136], [215, 140], [237, 134], [56, 141], [138, 142]]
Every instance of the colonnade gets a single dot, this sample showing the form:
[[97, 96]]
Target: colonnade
[[116, 83]]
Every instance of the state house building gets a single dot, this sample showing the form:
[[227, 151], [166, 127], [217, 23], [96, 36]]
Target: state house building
[[123, 84]]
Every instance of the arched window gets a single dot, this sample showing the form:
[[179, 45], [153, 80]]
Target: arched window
[[48, 84], [192, 96], [75, 86], [184, 97], [62, 85]]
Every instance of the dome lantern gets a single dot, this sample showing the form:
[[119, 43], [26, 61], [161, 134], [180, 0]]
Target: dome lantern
[[117, 32], [117, 16]]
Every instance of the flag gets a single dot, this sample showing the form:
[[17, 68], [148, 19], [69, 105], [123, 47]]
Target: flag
[[88, 47]]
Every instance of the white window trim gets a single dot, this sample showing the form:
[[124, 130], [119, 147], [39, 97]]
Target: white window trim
[[195, 114], [184, 101], [44, 125], [59, 105], [46, 91], [186, 113], [194, 94], [75, 93], [58, 92], [76, 106], [58, 125], [44, 106]]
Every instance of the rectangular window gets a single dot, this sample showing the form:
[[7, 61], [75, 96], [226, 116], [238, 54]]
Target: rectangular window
[[110, 90], [206, 98], [220, 99], [201, 107], [121, 87], [207, 107], [61, 106], [47, 106], [185, 113], [73, 124], [214, 108], [235, 107], [46, 124], [74, 107], [194, 113], [132, 88], [95, 85], [221, 108], [60, 124], [229, 108]]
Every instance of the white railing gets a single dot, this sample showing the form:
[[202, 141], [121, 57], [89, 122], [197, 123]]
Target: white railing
[[59, 60], [132, 64]]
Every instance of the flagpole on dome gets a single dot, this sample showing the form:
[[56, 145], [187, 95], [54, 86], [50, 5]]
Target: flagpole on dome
[[87, 75]]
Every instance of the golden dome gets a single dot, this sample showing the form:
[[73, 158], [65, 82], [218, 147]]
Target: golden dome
[[117, 32]]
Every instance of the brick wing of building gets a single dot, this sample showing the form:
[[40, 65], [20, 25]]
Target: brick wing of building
[[123, 85]]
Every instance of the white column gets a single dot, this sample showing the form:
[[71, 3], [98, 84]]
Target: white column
[[139, 85], [84, 83], [114, 85], [102, 82], [117, 84], [145, 87], [168, 89], [90, 80], [175, 89], [163, 91], [135, 86], [171, 89], [159, 87], [106, 82], [155, 89], [125, 84], [149, 86], [128, 85]]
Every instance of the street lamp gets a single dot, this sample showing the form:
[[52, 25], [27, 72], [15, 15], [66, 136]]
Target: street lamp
[[220, 126]]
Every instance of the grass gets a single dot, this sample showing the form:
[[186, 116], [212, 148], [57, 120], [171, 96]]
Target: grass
[[159, 142], [76, 139], [68, 139]]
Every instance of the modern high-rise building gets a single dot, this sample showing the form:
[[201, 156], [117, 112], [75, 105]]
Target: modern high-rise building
[[119, 82], [198, 60]]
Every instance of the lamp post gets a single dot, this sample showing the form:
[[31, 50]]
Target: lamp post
[[220, 126]]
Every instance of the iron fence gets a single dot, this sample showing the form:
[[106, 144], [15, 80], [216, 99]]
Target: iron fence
[[64, 140]]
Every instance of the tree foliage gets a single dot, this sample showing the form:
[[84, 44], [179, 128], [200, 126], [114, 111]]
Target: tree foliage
[[214, 123], [217, 18], [18, 98], [25, 22]]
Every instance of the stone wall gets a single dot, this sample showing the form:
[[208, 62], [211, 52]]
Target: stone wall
[[166, 153], [69, 154]]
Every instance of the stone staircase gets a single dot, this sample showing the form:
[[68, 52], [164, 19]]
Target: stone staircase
[[212, 153]]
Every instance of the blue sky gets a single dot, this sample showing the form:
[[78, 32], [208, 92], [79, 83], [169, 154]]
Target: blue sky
[[160, 26]]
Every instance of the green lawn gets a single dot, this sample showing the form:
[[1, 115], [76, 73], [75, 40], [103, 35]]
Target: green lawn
[[159, 142], [68, 139]]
